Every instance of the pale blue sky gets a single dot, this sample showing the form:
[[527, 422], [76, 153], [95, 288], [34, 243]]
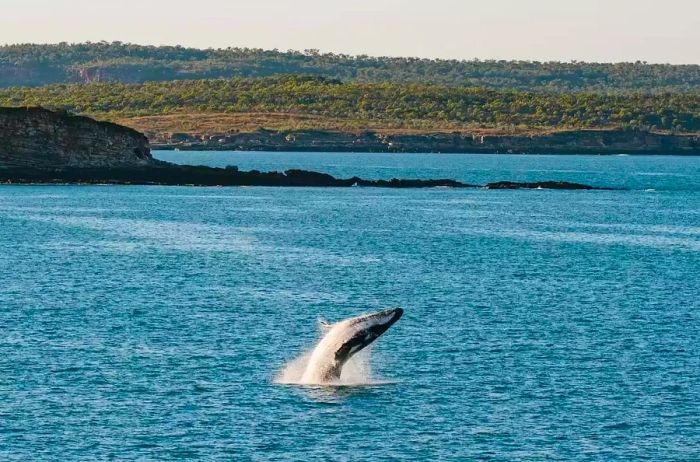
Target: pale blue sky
[[587, 30]]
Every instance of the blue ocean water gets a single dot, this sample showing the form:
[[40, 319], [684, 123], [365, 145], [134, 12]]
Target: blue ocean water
[[632, 172], [149, 323]]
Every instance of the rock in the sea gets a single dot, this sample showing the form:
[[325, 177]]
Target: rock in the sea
[[39, 138], [538, 185]]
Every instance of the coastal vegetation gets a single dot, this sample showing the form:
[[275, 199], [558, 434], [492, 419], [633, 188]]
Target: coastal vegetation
[[35, 65], [415, 106]]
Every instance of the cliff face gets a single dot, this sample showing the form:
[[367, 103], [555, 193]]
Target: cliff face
[[571, 142], [42, 139]]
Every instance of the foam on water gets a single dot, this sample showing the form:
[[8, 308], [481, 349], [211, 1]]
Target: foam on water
[[185, 236], [357, 372], [686, 243]]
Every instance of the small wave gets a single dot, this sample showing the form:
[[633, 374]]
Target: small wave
[[185, 236], [687, 242], [660, 174], [618, 426], [633, 229]]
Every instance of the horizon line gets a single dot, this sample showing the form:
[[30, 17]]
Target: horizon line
[[312, 51]]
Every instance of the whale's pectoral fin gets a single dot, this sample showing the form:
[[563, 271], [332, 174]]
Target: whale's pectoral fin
[[324, 326]]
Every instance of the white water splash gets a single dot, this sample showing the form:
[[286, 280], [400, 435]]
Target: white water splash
[[356, 372], [352, 338]]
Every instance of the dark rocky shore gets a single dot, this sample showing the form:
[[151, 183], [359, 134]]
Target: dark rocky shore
[[565, 142], [45, 147], [204, 176]]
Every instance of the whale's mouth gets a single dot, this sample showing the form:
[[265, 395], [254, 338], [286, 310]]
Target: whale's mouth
[[397, 312], [389, 316], [383, 319]]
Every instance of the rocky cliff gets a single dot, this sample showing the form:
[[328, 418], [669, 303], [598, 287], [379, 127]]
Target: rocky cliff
[[43, 139], [569, 142]]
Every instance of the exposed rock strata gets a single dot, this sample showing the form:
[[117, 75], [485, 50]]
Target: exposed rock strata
[[39, 138]]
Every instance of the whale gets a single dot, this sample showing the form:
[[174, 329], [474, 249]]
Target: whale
[[344, 339]]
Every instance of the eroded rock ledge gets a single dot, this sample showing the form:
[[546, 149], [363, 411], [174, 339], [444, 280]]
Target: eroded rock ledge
[[42, 139]]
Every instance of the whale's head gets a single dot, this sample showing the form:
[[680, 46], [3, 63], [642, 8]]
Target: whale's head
[[359, 332]]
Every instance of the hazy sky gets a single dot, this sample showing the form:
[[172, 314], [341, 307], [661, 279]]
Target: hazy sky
[[586, 30]]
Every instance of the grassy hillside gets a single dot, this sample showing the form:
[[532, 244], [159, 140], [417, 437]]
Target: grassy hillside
[[370, 104], [35, 65]]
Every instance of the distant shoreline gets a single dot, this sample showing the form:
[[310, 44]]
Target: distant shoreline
[[596, 142], [457, 153]]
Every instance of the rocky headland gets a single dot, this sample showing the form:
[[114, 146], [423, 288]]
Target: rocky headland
[[47, 140], [41, 146]]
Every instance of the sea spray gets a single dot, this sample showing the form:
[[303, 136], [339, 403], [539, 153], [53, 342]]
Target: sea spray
[[341, 356], [357, 371]]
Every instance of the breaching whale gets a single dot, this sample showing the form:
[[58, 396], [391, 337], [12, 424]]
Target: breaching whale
[[342, 340]]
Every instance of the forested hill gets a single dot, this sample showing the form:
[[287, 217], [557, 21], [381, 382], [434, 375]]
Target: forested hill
[[409, 105], [35, 65]]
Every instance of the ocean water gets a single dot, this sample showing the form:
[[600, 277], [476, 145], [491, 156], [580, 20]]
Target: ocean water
[[671, 173], [151, 323]]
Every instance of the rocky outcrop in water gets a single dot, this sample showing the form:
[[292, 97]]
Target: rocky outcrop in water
[[43, 139], [182, 175]]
